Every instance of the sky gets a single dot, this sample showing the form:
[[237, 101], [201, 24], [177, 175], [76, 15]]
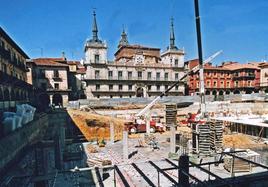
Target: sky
[[48, 27]]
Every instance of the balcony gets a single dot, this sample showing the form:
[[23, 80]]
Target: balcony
[[58, 90], [57, 79], [8, 79], [244, 76], [5, 54]]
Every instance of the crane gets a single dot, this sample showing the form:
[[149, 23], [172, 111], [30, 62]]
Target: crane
[[151, 104], [194, 70]]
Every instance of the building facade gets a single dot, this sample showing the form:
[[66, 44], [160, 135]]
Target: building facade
[[263, 77], [51, 76], [14, 88], [228, 78], [76, 81], [137, 71]]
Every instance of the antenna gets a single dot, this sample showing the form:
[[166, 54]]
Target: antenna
[[41, 51]]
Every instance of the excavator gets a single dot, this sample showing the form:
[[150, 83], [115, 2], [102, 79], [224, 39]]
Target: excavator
[[142, 120]]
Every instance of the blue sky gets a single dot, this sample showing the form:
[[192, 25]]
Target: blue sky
[[239, 27]]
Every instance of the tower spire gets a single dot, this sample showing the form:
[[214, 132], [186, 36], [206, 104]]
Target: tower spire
[[123, 41], [95, 28], [172, 35]]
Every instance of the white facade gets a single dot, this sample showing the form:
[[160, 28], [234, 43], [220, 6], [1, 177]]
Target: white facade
[[137, 71], [132, 79]]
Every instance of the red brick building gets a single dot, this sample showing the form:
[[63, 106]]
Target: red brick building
[[228, 78]]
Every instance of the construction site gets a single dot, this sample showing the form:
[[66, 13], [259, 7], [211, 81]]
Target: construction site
[[156, 141]]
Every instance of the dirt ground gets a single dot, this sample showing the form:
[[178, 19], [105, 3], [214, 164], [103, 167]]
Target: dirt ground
[[96, 127], [240, 141]]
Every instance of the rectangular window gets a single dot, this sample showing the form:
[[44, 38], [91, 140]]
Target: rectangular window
[[176, 87], [129, 75], [97, 74], [97, 87], [158, 87], [176, 76], [228, 84], [97, 59], [120, 87], [149, 87], [166, 87], [176, 62], [4, 66], [208, 83], [215, 84], [149, 75], [158, 76], [56, 73], [236, 83], [110, 87], [110, 74], [166, 76], [139, 75], [42, 73], [120, 75], [56, 86], [129, 87]]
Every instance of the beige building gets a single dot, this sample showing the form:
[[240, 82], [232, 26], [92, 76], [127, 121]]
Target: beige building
[[76, 81], [137, 71], [51, 76]]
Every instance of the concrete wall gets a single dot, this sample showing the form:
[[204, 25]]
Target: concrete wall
[[12, 144]]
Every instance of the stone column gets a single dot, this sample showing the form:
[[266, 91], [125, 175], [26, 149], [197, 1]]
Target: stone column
[[111, 132], [125, 144], [172, 139], [145, 92]]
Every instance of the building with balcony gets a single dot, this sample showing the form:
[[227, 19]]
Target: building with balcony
[[263, 76], [14, 88], [51, 76], [136, 71], [228, 78]]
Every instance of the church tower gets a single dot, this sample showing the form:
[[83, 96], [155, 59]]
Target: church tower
[[95, 49], [123, 41], [173, 55]]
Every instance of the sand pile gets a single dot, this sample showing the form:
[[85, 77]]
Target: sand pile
[[238, 141], [96, 127]]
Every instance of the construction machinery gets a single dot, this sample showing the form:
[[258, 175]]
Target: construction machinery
[[143, 117]]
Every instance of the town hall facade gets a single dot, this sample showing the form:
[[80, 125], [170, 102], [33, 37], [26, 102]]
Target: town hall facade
[[136, 71]]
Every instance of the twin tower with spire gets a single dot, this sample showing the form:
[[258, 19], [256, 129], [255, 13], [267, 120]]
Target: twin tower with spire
[[100, 47]]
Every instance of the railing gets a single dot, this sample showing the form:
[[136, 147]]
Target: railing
[[5, 54], [57, 89], [57, 79], [252, 76], [8, 79]]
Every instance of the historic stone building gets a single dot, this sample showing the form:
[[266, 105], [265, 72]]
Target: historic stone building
[[228, 78], [14, 88], [137, 71], [51, 76]]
